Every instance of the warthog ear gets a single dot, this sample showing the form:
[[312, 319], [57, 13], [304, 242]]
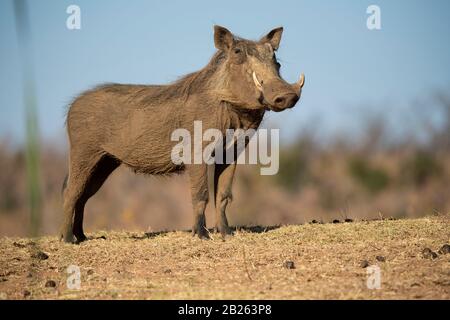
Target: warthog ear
[[223, 38], [273, 37]]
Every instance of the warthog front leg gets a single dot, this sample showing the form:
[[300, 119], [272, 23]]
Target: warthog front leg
[[223, 180], [199, 192]]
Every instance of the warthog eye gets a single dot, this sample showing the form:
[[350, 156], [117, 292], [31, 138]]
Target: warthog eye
[[237, 50]]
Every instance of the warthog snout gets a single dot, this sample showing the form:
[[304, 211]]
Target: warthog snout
[[285, 101], [278, 95]]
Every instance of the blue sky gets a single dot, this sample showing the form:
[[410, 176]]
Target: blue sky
[[349, 69]]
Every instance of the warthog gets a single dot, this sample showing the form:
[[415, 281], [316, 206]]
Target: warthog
[[117, 124]]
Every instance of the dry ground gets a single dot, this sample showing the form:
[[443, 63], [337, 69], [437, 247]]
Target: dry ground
[[291, 262]]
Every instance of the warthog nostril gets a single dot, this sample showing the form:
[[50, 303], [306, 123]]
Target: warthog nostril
[[279, 101], [285, 101]]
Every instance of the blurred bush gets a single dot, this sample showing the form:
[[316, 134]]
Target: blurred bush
[[371, 178], [294, 161], [419, 168], [11, 188]]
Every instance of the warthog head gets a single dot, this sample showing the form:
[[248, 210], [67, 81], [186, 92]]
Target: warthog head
[[253, 78]]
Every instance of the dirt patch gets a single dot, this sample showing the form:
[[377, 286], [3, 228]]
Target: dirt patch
[[312, 260]]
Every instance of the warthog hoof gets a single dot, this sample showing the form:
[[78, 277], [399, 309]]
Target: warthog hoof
[[224, 231], [67, 238], [80, 238], [201, 232]]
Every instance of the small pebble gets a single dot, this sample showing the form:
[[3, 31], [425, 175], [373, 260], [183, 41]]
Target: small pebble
[[444, 249], [380, 258], [364, 264], [18, 245], [50, 284], [40, 255], [26, 293], [289, 264], [428, 254], [167, 271]]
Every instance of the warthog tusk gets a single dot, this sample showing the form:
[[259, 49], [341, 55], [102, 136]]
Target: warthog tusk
[[257, 83], [299, 84], [301, 81]]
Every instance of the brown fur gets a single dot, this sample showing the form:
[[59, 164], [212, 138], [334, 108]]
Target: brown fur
[[117, 124]]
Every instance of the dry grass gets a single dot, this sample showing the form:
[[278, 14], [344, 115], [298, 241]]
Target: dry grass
[[250, 265]]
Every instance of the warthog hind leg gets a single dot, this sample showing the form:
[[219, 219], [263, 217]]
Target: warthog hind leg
[[84, 181]]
